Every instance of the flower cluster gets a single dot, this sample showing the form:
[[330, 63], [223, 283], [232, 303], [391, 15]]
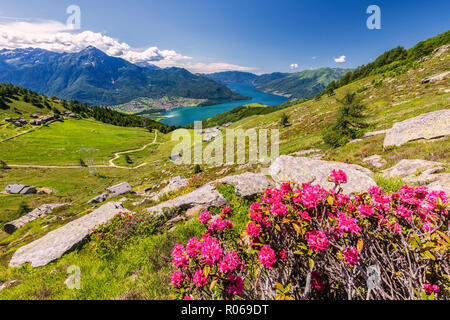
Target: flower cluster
[[301, 232], [207, 264]]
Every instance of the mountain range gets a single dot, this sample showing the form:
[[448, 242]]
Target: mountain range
[[91, 76], [303, 84]]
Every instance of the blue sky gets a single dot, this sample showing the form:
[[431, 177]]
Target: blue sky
[[259, 36]]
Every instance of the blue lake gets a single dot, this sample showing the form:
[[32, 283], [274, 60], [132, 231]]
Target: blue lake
[[186, 115]]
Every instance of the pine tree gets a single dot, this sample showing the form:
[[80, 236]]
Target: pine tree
[[349, 122]]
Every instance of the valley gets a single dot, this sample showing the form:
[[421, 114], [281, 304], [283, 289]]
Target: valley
[[167, 198]]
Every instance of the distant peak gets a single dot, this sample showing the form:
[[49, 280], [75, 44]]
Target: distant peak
[[92, 49]]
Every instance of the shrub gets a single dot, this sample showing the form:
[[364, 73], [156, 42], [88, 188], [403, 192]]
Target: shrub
[[305, 242], [107, 239]]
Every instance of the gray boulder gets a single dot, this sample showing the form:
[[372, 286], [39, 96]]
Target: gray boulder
[[436, 77], [40, 212], [205, 196], [441, 184], [305, 170], [174, 184], [415, 167], [119, 189], [430, 125], [99, 199], [248, 184], [60, 241], [20, 189], [376, 160]]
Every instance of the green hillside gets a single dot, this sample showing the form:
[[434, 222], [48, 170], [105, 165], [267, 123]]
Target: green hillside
[[304, 84], [140, 267]]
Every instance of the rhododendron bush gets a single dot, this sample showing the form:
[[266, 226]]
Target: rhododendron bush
[[305, 242]]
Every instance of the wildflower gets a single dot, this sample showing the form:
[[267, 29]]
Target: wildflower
[[267, 256], [177, 278], [278, 209], [315, 281], [236, 285], [211, 251], [351, 255], [204, 217], [199, 278], [366, 210], [188, 298], [230, 262], [338, 177], [282, 255], [253, 229], [347, 224], [193, 247], [285, 188], [179, 258], [429, 289], [226, 210], [317, 240]]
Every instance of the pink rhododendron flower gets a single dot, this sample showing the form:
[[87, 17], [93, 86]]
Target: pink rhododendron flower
[[351, 255], [317, 240], [347, 224], [315, 281], [177, 278], [179, 258], [366, 210], [226, 210], [278, 209], [338, 176], [429, 289], [230, 262], [304, 215], [282, 255], [204, 217], [236, 285], [193, 247], [211, 251], [188, 298], [199, 278], [267, 256], [285, 188], [375, 190], [253, 229]]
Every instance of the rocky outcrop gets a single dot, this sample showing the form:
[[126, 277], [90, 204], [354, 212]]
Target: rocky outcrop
[[20, 189], [40, 212], [205, 196], [174, 184], [248, 184], [374, 133], [430, 125], [305, 170], [99, 199], [119, 189], [376, 160], [436, 77], [442, 183], [409, 168], [60, 241]]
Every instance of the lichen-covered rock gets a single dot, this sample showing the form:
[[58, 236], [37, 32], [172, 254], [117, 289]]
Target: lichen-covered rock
[[40, 212], [62, 240], [119, 189], [413, 167], [174, 184], [20, 189], [99, 199], [436, 77], [441, 184], [376, 160], [429, 125], [305, 170], [205, 196], [248, 184]]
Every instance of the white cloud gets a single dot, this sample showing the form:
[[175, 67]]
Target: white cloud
[[341, 59], [314, 58], [293, 66], [55, 36]]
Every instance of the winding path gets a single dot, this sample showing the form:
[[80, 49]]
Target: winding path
[[111, 161]]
